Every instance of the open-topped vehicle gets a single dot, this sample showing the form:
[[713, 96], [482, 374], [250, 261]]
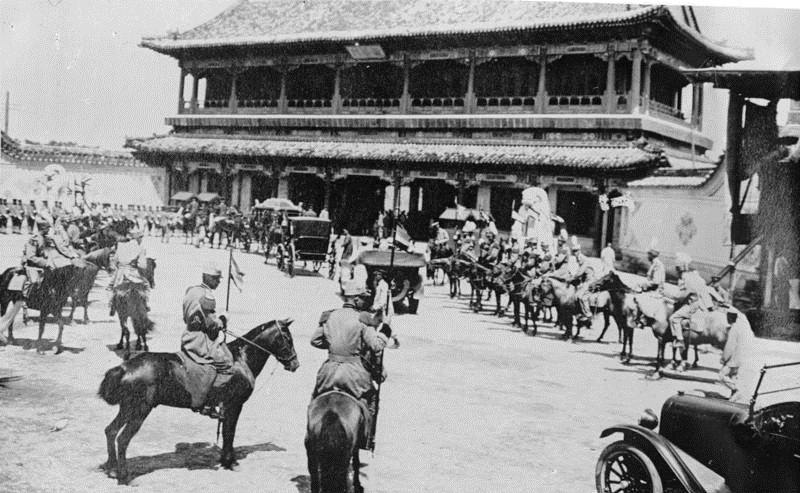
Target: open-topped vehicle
[[752, 450], [402, 274]]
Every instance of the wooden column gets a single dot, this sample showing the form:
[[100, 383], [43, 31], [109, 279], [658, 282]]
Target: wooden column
[[336, 102], [233, 102], [636, 81], [541, 92], [405, 99], [648, 67], [734, 136], [611, 82], [180, 91], [469, 98], [282, 97], [328, 188], [195, 83]]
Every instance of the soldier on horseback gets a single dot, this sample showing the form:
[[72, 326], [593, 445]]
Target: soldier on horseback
[[695, 294], [656, 274], [131, 260], [351, 341], [201, 341]]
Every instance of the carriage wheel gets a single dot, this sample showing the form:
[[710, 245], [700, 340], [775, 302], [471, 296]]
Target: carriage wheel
[[400, 290], [624, 468]]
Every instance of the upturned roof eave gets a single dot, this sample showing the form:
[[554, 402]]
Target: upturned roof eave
[[724, 54]]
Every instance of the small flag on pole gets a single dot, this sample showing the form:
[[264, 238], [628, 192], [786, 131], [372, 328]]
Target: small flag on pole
[[237, 276], [403, 237]]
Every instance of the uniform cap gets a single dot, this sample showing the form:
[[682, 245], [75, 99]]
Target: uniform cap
[[211, 269]]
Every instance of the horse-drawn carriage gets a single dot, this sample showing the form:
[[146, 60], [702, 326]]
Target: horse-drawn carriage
[[307, 240], [751, 450], [267, 220], [402, 274]]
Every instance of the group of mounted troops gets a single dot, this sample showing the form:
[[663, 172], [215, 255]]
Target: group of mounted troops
[[576, 287]]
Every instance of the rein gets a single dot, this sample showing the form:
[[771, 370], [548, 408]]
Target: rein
[[245, 340]]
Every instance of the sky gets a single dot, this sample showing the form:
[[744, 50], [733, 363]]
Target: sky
[[75, 71]]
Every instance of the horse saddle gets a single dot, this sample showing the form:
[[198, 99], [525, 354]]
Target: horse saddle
[[199, 379]]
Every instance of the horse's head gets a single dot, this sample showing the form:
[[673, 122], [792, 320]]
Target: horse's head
[[277, 339], [609, 282]]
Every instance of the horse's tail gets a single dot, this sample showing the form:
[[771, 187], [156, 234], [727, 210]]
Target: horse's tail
[[333, 455], [111, 386]]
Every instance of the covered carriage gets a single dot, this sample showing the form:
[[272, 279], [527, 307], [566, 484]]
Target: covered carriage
[[266, 219], [401, 272], [306, 239]]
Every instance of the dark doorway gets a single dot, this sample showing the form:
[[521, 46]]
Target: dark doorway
[[577, 208], [503, 201], [262, 187], [356, 202], [308, 189]]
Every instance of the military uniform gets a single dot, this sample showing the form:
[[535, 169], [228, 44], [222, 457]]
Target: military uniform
[[199, 341], [656, 276], [698, 298]]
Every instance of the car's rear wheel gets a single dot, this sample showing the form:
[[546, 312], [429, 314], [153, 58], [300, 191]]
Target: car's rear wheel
[[624, 468]]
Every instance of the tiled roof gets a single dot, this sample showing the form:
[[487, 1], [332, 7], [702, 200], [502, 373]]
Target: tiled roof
[[619, 158], [680, 172], [293, 21], [13, 150]]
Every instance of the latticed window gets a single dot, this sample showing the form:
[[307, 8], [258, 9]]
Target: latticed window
[[577, 75], [439, 79], [506, 77], [218, 86], [372, 80], [310, 82], [258, 83], [666, 85]]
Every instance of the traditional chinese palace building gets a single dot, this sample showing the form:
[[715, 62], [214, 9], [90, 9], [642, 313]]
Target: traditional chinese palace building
[[347, 104]]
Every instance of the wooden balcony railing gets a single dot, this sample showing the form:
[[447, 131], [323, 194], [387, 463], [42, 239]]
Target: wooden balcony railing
[[370, 103], [504, 104], [258, 103], [309, 103], [575, 100], [661, 109]]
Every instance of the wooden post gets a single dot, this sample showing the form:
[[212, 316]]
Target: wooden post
[[233, 103], [541, 91], [735, 104], [611, 82], [469, 98], [282, 104], [328, 186], [648, 66], [695, 104], [180, 91], [336, 102], [636, 81], [195, 84], [405, 99]]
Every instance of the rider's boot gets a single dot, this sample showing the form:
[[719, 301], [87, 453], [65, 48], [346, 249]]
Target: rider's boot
[[112, 305]]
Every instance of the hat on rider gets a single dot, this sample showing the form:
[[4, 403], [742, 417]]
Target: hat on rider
[[653, 247], [353, 287], [574, 245], [211, 269], [683, 261]]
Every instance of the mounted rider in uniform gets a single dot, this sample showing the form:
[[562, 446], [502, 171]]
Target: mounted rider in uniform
[[131, 260], [352, 343], [656, 274], [696, 295], [201, 342]]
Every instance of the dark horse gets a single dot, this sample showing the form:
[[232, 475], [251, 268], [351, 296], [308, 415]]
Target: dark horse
[[149, 379], [129, 302], [50, 296], [334, 423], [96, 260], [617, 291]]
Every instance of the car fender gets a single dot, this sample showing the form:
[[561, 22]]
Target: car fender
[[655, 443]]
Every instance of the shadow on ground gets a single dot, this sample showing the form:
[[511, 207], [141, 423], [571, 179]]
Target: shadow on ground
[[47, 345], [192, 456]]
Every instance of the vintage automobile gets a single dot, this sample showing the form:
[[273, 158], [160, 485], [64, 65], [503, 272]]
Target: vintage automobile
[[402, 271], [307, 240], [751, 450]]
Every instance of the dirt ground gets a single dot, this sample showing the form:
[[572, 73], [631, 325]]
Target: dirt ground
[[471, 404]]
